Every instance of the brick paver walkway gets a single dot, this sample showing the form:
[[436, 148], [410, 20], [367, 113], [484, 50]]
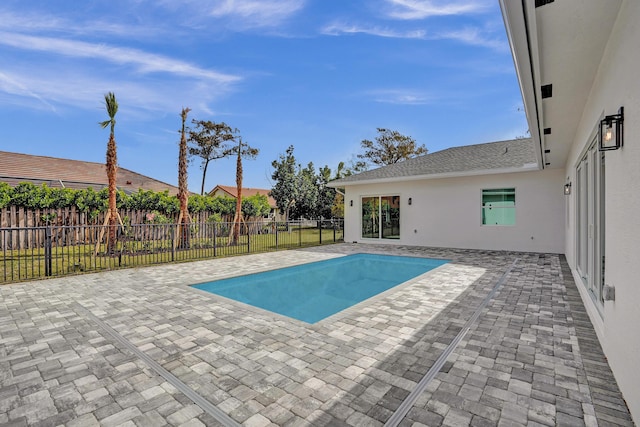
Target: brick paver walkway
[[139, 348]]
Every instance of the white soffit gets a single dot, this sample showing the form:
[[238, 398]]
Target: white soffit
[[563, 44]]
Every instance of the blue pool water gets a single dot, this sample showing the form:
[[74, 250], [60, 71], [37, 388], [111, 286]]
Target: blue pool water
[[311, 292]]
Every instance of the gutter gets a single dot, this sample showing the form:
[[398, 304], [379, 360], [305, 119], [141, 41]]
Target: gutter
[[525, 69], [536, 86]]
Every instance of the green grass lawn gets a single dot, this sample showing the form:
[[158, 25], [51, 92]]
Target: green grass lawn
[[29, 264]]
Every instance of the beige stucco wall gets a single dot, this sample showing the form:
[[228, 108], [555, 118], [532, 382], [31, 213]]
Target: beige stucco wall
[[617, 85], [447, 212]]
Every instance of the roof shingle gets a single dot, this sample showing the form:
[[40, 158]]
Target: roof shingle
[[57, 173], [480, 158]]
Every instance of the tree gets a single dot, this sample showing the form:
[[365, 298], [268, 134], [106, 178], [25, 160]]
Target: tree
[[256, 206], [183, 191], [240, 152], [326, 195], [210, 142], [284, 190], [306, 195], [112, 169], [337, 205], [388, 148]]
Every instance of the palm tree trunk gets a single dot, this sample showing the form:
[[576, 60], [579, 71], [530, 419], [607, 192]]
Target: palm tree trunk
[[112, 170], [238, 216], [183, 191]]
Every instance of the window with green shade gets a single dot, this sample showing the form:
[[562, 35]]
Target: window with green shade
[[381, 217], [499, 206]]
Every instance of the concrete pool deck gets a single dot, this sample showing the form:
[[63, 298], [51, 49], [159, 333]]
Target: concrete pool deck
[[137, 347]]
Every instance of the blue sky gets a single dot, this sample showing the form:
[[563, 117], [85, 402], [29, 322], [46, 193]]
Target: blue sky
[[320, 75]]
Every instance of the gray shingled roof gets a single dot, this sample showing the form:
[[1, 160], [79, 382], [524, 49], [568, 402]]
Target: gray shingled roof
[[56, 173], [479, 158]]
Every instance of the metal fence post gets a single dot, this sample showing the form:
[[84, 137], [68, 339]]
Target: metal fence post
[[47, 252], [173, 243], [215, 239], [81, 247]]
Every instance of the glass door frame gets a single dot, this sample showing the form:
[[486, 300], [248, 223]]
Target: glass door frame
[[590, 221]]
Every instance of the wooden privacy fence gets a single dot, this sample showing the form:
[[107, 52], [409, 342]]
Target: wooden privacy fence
[[19, 219]]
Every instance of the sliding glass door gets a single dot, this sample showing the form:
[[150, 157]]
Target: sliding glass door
[[381, 217], [590, 249]]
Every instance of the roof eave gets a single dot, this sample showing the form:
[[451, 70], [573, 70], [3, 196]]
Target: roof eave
[[519, 22], [525, 168]]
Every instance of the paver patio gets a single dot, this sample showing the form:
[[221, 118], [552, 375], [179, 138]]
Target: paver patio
[[138, 347]]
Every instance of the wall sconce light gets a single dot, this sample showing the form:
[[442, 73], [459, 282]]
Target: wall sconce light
[[410, 201], [351, 203], [611, 131], [567, 189]]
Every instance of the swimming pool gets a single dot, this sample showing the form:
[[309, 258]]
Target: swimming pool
[[314, 291]]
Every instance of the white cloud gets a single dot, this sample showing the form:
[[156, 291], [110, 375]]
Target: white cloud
[[470, 35], [421, 9], [337, 29], [12, 85], [33, 23], [143, 61], [84, 89], [400, 96], [474, 37], [233, 15], [257, 12]]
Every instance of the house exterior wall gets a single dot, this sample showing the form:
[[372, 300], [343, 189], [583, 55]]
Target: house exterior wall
[[616, 84], [217, 192], [447, 212]]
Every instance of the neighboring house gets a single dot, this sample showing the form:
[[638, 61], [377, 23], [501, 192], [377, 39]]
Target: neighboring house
[[64, 173], [232, 191], [577, 63]]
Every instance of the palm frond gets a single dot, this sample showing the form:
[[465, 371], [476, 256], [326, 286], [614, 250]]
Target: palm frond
[[111, 104]]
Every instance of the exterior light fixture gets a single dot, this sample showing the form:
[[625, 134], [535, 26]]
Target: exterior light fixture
[[410, 201], [567, 189], [351, 203], [611, 131]]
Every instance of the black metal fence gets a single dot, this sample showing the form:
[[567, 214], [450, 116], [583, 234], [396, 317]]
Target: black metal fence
[[37, 252]]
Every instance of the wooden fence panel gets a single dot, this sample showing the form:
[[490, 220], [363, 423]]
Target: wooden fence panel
[[14, 217]]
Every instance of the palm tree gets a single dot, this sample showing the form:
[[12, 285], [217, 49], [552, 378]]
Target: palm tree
[[112, 169], [183, 192], [241, 152], [235, 233]]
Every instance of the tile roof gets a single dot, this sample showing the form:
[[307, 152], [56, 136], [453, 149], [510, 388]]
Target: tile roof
[[232, 191], [57, 173], [476, 159]]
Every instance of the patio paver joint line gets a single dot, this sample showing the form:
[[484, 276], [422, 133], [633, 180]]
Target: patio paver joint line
[[203, 403], [396, 418]]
